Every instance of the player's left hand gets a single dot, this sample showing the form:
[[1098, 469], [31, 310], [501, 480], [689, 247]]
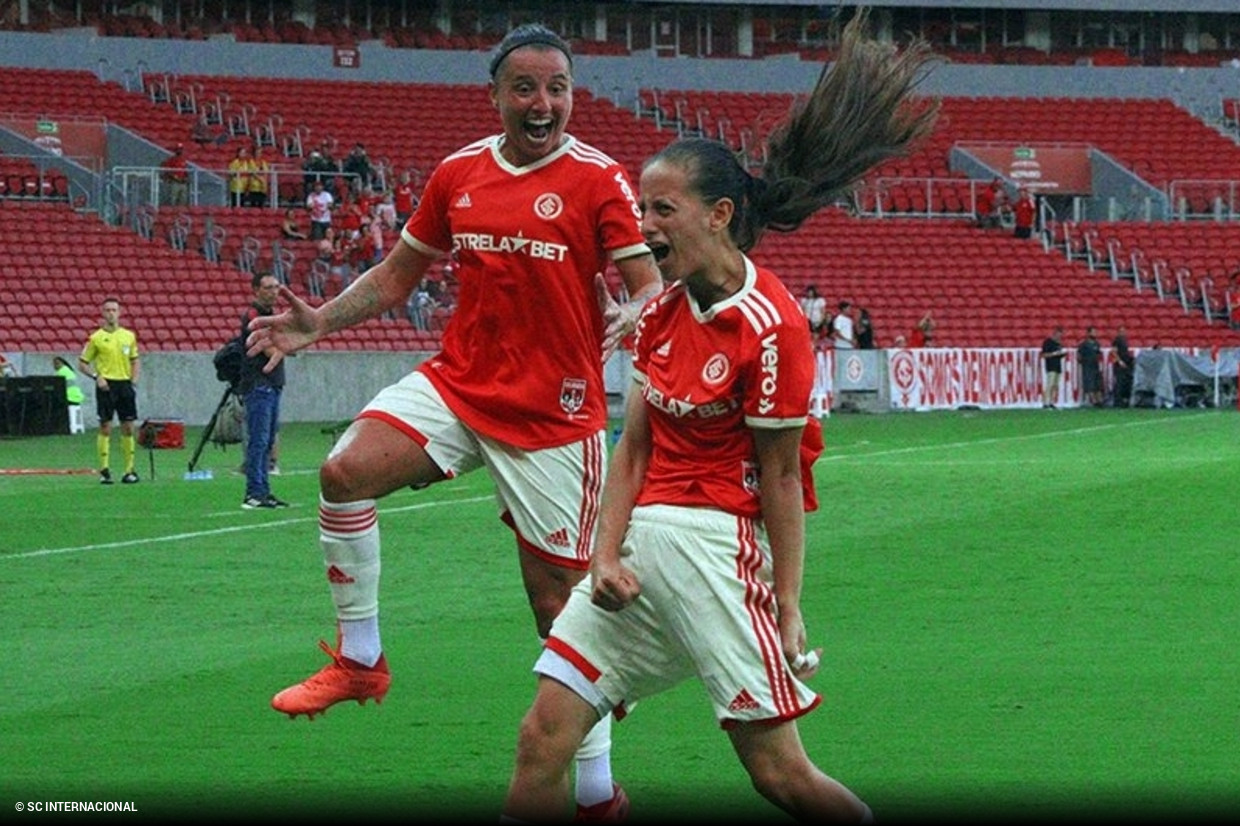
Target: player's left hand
[[805, 665], [618, 320], [792, 638], [614, 587]]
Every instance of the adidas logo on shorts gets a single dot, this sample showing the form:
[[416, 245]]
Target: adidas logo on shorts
[[743, 701]]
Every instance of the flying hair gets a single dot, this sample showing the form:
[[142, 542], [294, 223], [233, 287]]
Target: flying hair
[[861, 112]]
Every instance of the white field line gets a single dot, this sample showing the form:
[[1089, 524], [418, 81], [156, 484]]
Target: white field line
[[179, 537]]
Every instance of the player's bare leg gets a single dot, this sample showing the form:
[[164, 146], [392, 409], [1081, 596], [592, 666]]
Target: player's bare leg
[[371, 460], [550, 733], [782, 772], [599, 797]]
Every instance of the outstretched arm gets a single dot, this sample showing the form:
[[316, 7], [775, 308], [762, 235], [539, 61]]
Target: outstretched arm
[[384, 286]]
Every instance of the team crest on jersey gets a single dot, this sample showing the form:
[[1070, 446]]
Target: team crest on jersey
[[572, 395], [749, 476], [716, 369], [548, 206]]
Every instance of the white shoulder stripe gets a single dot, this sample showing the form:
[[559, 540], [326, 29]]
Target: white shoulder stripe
[[475, 148], [587, 149], [760, 312], [597, 158]]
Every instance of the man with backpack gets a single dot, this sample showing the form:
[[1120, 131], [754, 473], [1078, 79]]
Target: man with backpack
[[260, 394]]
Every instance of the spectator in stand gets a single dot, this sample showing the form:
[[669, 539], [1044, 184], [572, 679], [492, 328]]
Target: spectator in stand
[[347, 218], [325, 247], [319, 203], [815, 308], [367, 200], [1089, 358], [357, 165], [1122, 358], [1024, 214], [988, 198], [1052, 355], [344, 253], [176, 177], [330, 166], [1232, 297], [372, 228], [922, 334], [404, 198], [202, 134], [422, 305], [361, 251], [319, 167], [1003, 206], [239, 169], [385, 211], [290, 229], [260, 180], [843, 328], [865, 329]]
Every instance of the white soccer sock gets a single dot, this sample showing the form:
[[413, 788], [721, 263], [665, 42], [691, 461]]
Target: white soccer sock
[[359, 640], [349, 536], [594, 781]]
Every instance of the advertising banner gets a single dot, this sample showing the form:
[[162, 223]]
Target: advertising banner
[[66, 137], [1060, 169], [946, 379]]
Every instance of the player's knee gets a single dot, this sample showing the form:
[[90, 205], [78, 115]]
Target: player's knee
[[338, 480], [774, 774], [544, 743]]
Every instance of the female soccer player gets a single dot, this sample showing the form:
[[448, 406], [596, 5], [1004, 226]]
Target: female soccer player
[[697, 568], [532, 218]]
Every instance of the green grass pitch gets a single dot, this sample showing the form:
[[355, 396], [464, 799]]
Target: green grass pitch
[[1024, 614]]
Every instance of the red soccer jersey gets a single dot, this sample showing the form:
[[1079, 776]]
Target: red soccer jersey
[[710, 379], [521, 357]]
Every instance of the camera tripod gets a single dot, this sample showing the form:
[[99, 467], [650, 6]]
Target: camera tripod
[[210, 428]]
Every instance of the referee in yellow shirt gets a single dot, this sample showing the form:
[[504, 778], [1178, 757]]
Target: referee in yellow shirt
[[110, 358]]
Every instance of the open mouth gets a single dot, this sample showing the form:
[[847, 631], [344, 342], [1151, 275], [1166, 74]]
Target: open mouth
[[660, 251], [539, 130]]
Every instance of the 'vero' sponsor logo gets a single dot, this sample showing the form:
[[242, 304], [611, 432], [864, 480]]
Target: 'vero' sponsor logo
[[628, 193], [770, 373]]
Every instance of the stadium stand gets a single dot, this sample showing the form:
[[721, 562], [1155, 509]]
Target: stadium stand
[[60, 263], [910, 251]]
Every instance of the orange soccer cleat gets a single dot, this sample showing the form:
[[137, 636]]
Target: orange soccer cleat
[[342, 680]]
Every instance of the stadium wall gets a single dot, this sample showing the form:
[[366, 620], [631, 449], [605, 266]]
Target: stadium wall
[[322, 386]]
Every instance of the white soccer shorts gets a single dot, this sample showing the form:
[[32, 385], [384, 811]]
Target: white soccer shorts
[[707, 609], [550, 497]]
